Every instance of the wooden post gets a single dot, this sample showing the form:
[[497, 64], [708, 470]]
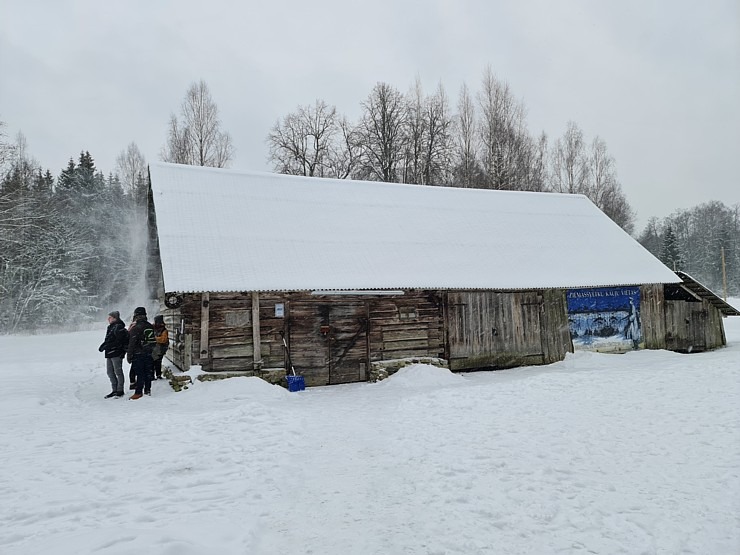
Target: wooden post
[[204, 319], [724, 274], [256, 335], [188, 352]]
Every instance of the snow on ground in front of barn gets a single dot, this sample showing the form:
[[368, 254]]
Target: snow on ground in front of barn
[[636, 453]]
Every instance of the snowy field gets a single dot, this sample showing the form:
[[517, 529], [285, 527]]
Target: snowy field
[[607, 454]]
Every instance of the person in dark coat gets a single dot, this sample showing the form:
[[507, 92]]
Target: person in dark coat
[[163, 343], [139, 353], [114, 346]]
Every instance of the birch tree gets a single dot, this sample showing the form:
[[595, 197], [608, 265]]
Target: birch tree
[[603, 187], [6, 148], [196, 138], [569, 162], [416, 134], [130, 167], [502, 134]]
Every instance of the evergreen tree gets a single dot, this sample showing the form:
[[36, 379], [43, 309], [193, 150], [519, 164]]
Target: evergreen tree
[[66, 180], [670, 254], [64, 247]]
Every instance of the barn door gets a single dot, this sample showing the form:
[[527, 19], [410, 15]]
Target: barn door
[[347, 342], [329, 341], [531, 330], [697, 333]]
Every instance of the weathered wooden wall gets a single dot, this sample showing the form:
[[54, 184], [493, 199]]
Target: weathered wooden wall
[[332, 339], [504, 329], [182, 327], [652, 316], [693, 326]]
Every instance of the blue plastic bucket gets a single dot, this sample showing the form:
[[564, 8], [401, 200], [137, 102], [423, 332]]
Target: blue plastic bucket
[[296, 383]]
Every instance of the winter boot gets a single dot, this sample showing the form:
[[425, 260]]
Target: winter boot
[[135, 396], [110, 395], [119, 394]]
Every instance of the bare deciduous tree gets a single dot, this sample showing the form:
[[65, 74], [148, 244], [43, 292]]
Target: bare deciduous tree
[[603, 188], [382, 134], [429, 124], [314, 141], [416, 135], [6, 149], [569, 162], [531, 164], [344, 153], [650, 238], [130, 166], [177, 149], [197, 139], [438, 147], [466, 144], [503, 134]]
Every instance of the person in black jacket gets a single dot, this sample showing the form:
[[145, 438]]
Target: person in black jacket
[[114, 346], [139, 353]]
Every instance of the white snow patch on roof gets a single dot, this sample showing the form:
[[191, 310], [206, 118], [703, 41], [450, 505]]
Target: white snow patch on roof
[[224, 230]]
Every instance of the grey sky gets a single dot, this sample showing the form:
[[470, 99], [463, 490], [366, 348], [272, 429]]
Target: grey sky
[[658, 81]]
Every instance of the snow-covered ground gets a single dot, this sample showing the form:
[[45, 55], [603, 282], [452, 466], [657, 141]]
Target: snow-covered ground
[[635, 453]]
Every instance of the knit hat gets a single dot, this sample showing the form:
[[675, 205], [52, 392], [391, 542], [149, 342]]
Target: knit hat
[[140, 311], [159, 319], [115, 314]]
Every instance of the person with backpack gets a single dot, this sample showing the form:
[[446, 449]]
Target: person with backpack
[[163, 343], [139, 353], [114, 346]]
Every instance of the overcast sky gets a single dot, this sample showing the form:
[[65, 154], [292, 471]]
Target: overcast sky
[[658, 81]]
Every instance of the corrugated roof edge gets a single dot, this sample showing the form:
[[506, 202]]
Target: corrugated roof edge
[[417, 288], [704, 292]]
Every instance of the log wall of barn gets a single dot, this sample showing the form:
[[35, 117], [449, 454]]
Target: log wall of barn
[[506, 329], [332, 339]]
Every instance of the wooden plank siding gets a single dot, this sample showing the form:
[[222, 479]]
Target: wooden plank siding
[[693, 326], [652, 316], [505, 329], [334, 338], [360, 330]]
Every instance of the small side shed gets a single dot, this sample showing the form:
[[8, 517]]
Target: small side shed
[[693, 316], [349, 274]]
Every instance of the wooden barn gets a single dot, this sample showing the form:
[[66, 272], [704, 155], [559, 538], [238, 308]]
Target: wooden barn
[[256, 272]]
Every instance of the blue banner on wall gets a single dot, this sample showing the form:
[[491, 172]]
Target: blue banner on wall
[[605, 319]]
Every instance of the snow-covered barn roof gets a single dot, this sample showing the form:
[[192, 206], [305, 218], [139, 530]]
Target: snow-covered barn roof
[[225, 230]]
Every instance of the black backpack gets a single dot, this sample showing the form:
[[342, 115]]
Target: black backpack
[[148, 340]]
